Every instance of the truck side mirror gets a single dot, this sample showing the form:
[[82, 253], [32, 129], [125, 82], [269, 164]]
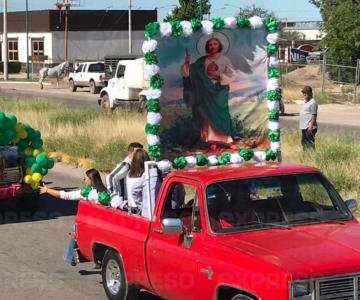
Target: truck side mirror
[[172, 226], [351, 204]]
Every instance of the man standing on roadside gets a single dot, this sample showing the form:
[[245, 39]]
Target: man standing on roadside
[[115, 181], [308, 115]]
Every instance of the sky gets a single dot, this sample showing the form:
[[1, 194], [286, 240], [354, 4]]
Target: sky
[[288, 10]]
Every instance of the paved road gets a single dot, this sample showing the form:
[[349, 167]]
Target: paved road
[[32, 247]]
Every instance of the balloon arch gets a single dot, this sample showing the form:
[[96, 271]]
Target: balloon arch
[[29, 144]]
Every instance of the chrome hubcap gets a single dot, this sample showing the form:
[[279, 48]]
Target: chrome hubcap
[[113, 277]]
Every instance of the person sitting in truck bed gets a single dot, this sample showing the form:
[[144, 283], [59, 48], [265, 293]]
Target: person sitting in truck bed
[[136, 184], [91, 191]]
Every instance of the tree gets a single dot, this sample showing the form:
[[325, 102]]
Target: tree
[[189, 9], [252, 10], [341, 24]]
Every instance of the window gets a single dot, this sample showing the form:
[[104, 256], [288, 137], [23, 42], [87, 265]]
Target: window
[[79, 68], [37, 47], [182, 203], [97, 68], [13, 50], [120, 71]]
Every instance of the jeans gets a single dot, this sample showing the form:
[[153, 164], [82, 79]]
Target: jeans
[[69, 256], [308, 139]]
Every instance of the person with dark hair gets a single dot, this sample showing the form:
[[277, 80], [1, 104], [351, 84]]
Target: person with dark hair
[[206, 88], [115, 181], [136, 184], [308, 116], [94, 190]]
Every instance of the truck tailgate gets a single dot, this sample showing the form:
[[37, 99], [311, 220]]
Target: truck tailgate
[[127, 234]]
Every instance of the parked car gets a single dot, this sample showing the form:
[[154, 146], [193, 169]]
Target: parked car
[[256, 231], [88, 74], [12, 186], [127, 87]]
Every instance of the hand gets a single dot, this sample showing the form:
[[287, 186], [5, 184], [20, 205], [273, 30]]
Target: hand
[[213, 75], [187, 57], [43, 189], [309, 129]]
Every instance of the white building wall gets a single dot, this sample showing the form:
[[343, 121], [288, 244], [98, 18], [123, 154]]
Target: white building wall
[[21, 37], [95, 45]]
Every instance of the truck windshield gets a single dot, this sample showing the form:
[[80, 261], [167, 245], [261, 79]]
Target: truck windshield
[[279, 201]]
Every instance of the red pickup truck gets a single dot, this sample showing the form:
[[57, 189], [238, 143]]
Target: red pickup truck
[[253, 231]]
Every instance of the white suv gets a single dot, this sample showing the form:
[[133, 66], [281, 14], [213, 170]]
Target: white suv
[[88, 74]]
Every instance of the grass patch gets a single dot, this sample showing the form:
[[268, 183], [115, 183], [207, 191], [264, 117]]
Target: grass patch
[[337, 157]]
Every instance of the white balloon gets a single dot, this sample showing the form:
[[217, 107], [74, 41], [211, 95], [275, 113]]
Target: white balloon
[[190, 161], [164, 165], [275, 146], [149, 45], [165, 29], [116, 201], [273, 105], [230, 22], [272, 38], [273, 61], [273, 125], [273, 84], [256, 22], [212, 160], [152, 139], [153, 118], [259, 156], [207, 27], [153, 93], [151, 70], [236, 158], [187, 28]]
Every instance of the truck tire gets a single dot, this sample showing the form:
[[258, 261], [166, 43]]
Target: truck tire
[[93, 87], [282, 108], [29, 201], [105, 103], [72, 86], [114, 279]]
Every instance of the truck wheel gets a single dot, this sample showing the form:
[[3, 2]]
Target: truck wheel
[[105, 103], [92, 87], [114, 280], [29, 201], [282, 108], [72, 86]]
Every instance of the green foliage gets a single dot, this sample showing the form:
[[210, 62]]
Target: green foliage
[[342, 28], [73, 117], [189, 9], [253, 10]]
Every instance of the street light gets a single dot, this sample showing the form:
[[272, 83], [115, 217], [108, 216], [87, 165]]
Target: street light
[[27, 39], [221, 8], [231, 5]]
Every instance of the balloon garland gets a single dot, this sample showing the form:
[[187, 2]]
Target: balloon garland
[[29, 143], [177, 28]]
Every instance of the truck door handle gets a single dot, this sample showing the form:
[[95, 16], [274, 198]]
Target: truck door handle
[[159, 231]]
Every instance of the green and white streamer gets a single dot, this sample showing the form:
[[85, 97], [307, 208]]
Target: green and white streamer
[[185, 29]]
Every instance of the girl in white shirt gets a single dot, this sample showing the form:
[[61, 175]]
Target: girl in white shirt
[[94, 190]]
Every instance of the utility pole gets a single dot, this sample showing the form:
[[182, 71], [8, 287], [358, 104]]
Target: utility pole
[[5, 42], [65, 5], [323, 73], [200, 10], [129, 26], [27, 38]]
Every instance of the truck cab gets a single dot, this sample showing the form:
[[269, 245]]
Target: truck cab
[[127, 86], [88, 74], [252, 231]]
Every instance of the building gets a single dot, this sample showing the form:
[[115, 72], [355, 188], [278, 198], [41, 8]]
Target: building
[[296, 51], [92, 35]]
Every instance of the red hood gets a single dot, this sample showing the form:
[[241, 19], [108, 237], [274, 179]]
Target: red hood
[[304, 251]]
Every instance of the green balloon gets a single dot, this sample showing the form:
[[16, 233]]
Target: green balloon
[[10, 134], [23, 144], [2, 115], [36, 168], [37, 134], [41, 159], [31, 133], [50, 163], [3, 140], [5, 123], [29, 161], [13, 119], [44, 171], [36, 144]]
